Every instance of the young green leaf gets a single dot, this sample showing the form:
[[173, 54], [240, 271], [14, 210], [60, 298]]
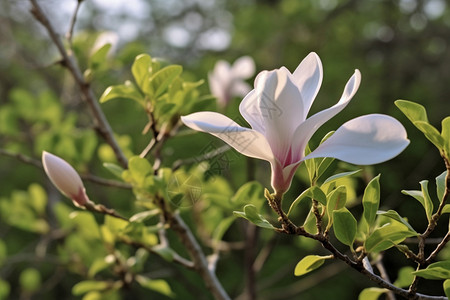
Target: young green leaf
[[340, 175], [405, 277], [250, 213], [83, 287], [440, 185], [126, 91], [309, 263], [413, 111], [114, 169], [98, 57], [336, 200], [446, 136], [344, 225], [249, 193], [395, 216], [163, 78], [436, 271], [446, 287], [141, 69], [387, 236], [427, 199], [431, 133], [371, 200], [371, 293], [157, 285]]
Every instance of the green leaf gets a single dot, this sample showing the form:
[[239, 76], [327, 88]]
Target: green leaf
[[144, 215], [371, 200], [310, 166], [126, 91], [222, 228], [446, 209], [30, 280], [249, 193], [86, 286], [309, 263], [405, 277], [435, 271], [336, 200], [161, 80], [100, 264], [344, 225], [313, 192], [394, 215], [431, 133], [5, 289], [250, 213], [139, 168], [446, 136], [98, 57], [157, 285], [387, 236], [440, 185], [446, 287], [413, 111], [323, 165], [371, 293], [141, 69], [340, 175], [427, 199]]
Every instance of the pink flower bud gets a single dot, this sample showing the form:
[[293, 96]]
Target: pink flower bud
[[65, 178]]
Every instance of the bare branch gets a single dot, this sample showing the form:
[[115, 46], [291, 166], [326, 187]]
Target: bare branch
[[68, 61], [69, 33]]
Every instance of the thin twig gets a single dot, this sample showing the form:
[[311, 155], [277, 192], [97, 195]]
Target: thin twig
[[69, 34], [68, 61], [379, 264]]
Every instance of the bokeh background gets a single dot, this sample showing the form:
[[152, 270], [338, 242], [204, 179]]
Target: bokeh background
[[402, 49]]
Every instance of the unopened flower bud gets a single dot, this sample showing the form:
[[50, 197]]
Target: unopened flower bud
[[65, 178]]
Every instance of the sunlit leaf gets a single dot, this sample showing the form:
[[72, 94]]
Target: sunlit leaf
[[371, 293], [436, 271], [427, 199], [387, 236], [157, 285], [371, 200], [413, 111], [344, 225], [163, 78], [405, 277], [250, 193], [431, 133], [336, 200], [126, 91], [309, 263], [98, 57], [89, 285], [440, 185], [446, 287], [141, 69], [340, 175], [114, 169], [394, 215], [446, 135], [250, 213]]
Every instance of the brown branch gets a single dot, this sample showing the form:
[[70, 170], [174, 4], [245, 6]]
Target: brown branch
[[68, 61], [69, 33]]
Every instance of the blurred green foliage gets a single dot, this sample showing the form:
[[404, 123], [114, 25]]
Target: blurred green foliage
[[50, 250]]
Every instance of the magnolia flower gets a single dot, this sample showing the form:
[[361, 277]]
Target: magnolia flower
[[65, 178], [227, 81], [277, 111]]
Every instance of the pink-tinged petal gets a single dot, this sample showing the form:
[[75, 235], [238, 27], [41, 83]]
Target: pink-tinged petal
[[305, 131], [308, 78], [243, 67], [365, 140], [246, 141], [65, 178], [282, 177]]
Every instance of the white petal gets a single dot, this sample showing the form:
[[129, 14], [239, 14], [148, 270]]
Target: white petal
[[305, 131], [365, 140], [243, 67], [246, 141], [308, 77], [280, 105]]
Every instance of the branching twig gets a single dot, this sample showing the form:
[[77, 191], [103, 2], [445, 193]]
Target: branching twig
[[100, 121], [69, 33]]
